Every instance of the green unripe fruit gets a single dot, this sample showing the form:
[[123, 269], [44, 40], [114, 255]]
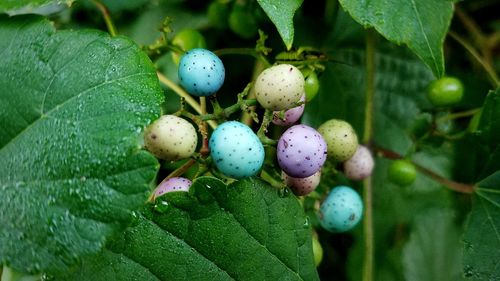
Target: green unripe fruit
[[402, 172], [317, 251], [311, 86], [242, 22], [445, 91], [187, 39], [340, 138], [217, 14]]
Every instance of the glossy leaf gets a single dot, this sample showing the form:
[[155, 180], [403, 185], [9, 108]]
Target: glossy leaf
[[482, 235], [420, 24], [43, 7], [72, 108], [281, 13], [245, 231]]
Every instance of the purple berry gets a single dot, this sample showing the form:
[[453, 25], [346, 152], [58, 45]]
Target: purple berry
[[302, 186], [291, 116], [173, 184], [301, 151], [360, 165]]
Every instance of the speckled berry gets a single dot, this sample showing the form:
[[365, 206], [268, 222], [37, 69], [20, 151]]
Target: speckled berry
[[201, 72], [302, 186], [360, 166], [171, 138], [173, 184], [341, 210], [301, 151], [291, 116], [236, 150], [341, 139], [279, 87]]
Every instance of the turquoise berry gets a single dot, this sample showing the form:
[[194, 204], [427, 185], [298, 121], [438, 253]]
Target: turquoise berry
[[201, 72], [236, 150], [341, 210]]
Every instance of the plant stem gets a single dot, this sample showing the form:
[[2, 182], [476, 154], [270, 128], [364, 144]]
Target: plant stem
[[107, 18], [452, 185], [457, 115], [261, 133], [183, 94], [485, 64], [243, 51], [367, 139]]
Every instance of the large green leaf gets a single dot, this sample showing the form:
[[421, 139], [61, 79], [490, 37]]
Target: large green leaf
[[244, 231], [433, 250], [281, 13], [489, 132], [420, 24], [72, 108], [482, 236], [14, 7]]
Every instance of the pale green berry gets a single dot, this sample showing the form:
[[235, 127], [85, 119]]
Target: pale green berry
[[341, 139]]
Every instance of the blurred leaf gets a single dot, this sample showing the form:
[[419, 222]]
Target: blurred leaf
[[421, 25], [244, 231], [281, 13], [42, 7], [489, 125], [482, 235], [72, 108], [433, 251]]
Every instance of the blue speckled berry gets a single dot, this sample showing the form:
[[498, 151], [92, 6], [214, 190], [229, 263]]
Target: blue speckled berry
[[201, 72], [236, 150], [341, 210]]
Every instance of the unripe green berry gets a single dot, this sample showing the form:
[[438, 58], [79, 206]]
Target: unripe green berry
[[402, 172], [171, 138], [311, 86], [317, 251], [340, 138], [187, 39], [445, 91]]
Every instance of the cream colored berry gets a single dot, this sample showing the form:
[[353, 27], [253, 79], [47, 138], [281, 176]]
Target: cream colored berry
[[171, 138], [279, 87]]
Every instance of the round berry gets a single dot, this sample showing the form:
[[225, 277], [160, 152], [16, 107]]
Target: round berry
[[302, 186], [301, 151], [360, 166], [341, 139], [187, 39], [291, 116], [279, 87], [243, 22], [173, 184], [311, 86], [201, 72], [236, 150], [171, 138], [402, 172], [341, 210], [445, 91], [217, 14], [317, 251]]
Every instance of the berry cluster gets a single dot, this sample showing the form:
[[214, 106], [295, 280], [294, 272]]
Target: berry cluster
[[237, 152]]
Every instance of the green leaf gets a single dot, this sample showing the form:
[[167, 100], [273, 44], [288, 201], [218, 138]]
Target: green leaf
[[482, 235], [489, 125], [433, 250], [281, 14], [42, 7], [72, 108], [420, 24], [245, 231]]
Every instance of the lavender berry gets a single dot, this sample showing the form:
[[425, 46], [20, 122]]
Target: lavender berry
[[173, 184], [291, 116], [302, 186], [301, 151]]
